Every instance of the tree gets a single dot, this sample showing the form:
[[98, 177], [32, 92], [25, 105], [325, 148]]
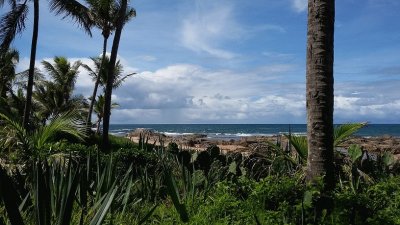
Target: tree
[[101, 14], [55, 96], [98, 109], [101, 76], [319, 91], [8, 61], [64, 74], [13, 23], [114, 51]]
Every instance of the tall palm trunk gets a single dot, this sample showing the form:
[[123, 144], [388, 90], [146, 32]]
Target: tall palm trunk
[[110, 80], [96, 85], [319, 94], [29, 89]]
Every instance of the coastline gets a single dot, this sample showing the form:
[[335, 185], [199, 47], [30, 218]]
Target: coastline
[[252, 143]]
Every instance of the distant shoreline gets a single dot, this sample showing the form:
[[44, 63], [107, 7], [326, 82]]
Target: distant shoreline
[[251, 143], [237, 131]]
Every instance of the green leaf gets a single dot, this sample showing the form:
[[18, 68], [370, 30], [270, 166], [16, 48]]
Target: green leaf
[[388, 159], [344, 131], [174, 193], [300, 145], [355, 152], [232, 167], [105, 206], [147, 216]]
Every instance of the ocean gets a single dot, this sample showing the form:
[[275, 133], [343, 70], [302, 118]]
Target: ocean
[[237, 131]]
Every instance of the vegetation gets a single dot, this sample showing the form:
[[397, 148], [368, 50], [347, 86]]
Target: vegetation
[[53, 170], [160, 185]]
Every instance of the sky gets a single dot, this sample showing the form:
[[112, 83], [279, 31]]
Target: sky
[[234, 61]]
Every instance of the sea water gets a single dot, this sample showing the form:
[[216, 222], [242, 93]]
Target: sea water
[[237, 131]]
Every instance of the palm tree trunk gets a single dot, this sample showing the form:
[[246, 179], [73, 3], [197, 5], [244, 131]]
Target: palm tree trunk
[[96, 85], [110, 80], [29, 89], [319, 92], [98, 125]]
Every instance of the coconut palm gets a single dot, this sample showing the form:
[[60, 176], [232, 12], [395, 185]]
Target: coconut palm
[[109, 86], [103, 15], [8, 62], [51, 101], [64, 74], [319, 91], [13, 23], [100, 75], [55, 96], [98, 109]]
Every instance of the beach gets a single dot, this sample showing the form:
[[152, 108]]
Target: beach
[[254, 143]]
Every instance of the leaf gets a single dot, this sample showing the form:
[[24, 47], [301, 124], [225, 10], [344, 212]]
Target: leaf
[[300, 145], [355, 152], [105, 206], [344, 131], [232, 167], [388, 159], [174, 193], [147, 216], [308, 199]]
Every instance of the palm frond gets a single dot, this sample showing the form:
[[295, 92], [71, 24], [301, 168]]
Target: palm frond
[[300, 145], [344, 131], [118, 82], [74, 9], [16, 129], [66, 123], [12, 23]]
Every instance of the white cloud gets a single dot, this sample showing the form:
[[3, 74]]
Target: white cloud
[[300, 5], [188, 93], [209, 25]]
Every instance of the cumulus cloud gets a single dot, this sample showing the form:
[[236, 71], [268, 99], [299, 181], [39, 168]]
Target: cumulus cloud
[[299, 5], [189, 93]]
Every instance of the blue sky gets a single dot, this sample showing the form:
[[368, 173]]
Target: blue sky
[[233, 61]]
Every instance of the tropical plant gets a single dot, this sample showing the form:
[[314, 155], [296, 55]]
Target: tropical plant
[[101, 14], [55, 96], [341, 133], [98, 109], [31, 144], [120, 22], [101, 74], [63, 74], [13, 23], [319, 91], [8, 61]]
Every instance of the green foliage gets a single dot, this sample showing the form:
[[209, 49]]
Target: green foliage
[[343, 132], [32, 144]]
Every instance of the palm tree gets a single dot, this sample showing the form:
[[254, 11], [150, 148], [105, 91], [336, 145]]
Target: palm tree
[[55, 96], [98, 109], [103, 15], [63, 74], [121, 19], [13, 23], [8, 61], [319, 91], [119, 78]]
